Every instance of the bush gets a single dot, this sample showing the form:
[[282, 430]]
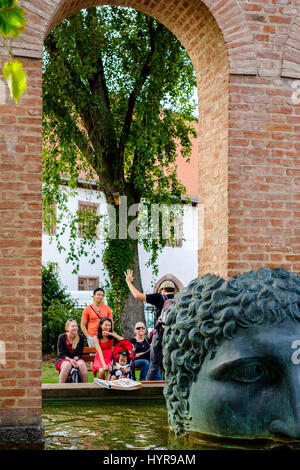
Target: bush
[[57, 308]]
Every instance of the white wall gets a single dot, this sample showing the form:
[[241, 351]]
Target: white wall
[[50, 251], [181, 262]]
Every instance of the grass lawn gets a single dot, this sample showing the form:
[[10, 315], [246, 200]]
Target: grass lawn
[[50, 374]]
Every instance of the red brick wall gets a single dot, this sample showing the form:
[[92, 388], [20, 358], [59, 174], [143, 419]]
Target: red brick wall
[[264, 144], [20, 252], [264, 173], [212, 68]]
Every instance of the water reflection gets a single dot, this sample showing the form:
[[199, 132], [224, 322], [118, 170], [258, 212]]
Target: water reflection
[[105, 425], [128, 424]]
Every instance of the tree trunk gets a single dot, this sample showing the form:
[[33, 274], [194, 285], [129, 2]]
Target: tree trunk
[[134, 309]]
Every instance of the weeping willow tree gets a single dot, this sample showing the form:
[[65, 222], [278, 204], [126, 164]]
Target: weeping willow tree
[[117, 102]]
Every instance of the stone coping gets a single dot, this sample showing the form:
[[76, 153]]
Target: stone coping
[[30, 437], [91, 390]]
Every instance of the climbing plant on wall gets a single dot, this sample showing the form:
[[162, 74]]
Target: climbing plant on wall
[[12, 23]]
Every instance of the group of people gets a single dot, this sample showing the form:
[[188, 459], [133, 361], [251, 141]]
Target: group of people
[[98, 328]]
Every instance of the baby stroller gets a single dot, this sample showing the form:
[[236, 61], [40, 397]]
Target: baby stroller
[[123, 346]]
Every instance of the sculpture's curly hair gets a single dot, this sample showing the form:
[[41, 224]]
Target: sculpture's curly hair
[[210, 309]]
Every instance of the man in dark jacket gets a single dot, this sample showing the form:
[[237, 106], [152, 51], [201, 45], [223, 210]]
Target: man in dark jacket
[[166, 290]]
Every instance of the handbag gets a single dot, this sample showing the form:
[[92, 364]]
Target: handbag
[[75, 375]]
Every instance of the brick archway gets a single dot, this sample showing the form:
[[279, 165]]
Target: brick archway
[[176, 15], [248, 166], [168, 277]]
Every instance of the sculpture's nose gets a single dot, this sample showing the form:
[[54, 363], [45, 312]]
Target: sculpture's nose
[[290, 427]]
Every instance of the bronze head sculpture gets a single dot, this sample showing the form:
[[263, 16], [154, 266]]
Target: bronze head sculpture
[[232, 356]]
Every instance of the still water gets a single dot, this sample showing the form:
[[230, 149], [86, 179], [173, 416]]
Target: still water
[[121, 425], [104, 425]]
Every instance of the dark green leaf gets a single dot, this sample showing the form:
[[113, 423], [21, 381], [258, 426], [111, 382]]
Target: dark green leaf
[[12, 18]]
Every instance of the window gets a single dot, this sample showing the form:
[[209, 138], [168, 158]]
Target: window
[[49, 228], [88, 283], [83, 226]]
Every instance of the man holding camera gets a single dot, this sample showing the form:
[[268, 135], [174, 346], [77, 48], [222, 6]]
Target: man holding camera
[[166, 291]]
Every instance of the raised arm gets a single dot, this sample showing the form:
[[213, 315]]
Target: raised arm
[[112, 333], [115, 335], [136, 293]]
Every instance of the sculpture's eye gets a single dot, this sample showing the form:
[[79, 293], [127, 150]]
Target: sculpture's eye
[[247, 371], [250, 372]]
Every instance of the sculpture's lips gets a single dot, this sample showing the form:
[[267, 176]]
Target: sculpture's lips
[[285, 429]]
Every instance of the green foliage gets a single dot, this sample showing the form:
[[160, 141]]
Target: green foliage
[[118, 256], [162, 230], [57, 308], [51, 376], [121, 101], [12, 23]]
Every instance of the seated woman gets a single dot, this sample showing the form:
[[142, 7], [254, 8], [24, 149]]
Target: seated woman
[[141, 349], [69, 351], [104, 346]]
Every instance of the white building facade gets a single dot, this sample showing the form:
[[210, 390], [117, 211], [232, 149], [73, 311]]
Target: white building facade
[[178, 263]]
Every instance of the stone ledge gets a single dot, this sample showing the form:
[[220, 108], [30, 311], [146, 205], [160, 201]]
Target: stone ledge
[[91, 390]]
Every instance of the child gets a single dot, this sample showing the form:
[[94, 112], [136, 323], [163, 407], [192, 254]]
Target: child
[[120, 370]]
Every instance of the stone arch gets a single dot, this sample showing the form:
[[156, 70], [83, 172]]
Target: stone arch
[[168, 277], [290, 66], [217, 38]]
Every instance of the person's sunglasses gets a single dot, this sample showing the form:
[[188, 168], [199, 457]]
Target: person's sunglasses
[[140, 328]]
